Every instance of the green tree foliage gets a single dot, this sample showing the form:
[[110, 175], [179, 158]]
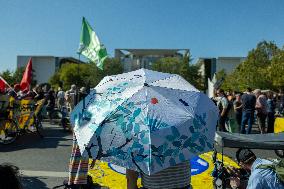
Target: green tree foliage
[[18, 74], [8, 76], [174, 65], [13, 77], [276, 70], [255, 71], [16, 77], [84, 74], [169, 64]]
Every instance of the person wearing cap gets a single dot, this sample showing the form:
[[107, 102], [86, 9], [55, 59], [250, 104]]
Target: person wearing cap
[[259, 178]]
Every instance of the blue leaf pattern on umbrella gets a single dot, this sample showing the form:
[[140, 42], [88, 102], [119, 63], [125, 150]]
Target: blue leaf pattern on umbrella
[[136, 128], [127, 134], [125, 118], [196, 143], [175, 132]]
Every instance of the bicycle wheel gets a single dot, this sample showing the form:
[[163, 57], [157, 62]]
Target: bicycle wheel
[[9, 132], [38, 126], [56, 114]]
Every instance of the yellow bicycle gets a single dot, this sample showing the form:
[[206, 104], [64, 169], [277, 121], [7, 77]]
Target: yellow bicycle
[[14, 123]]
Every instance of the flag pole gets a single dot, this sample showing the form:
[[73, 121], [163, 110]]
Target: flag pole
[[7, 83], [84, 107]]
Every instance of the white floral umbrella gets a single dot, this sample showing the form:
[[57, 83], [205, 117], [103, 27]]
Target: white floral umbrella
[[144, 120]]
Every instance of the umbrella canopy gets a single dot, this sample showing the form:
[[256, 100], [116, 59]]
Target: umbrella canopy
[[144, 120]]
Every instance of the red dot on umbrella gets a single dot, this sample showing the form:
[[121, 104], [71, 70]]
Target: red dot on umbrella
[[154, 101]]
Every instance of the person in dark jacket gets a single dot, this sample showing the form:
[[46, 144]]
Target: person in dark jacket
[[248, 102], [238, 110]]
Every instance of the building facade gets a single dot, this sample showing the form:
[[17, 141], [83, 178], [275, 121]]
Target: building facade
[[210, 66], [133, 59], [44, 66]]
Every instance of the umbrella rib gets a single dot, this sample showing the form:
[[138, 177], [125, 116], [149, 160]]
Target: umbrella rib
[[165, 78], [113, 137], [112, 78], [173, 88]]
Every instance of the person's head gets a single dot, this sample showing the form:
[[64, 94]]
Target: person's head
[[39, 89], [249, 90], [220, 92], [83, 90], [257, 92], [245, 158], [269, 95], [51, 92], [59, 89], [238, 97], [9, 177], [46, 88], [73, 87], [17, 88]]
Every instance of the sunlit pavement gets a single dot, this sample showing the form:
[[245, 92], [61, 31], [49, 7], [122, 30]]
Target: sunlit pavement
[[44, 161]]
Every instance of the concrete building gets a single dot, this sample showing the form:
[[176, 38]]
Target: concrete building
[[133, 59], [45, 66], [210, 66]]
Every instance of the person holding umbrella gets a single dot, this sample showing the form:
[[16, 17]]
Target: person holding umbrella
[[146, 121], [175, 177]]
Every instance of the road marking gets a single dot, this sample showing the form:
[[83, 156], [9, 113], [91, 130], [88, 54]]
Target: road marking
[[44, 174]]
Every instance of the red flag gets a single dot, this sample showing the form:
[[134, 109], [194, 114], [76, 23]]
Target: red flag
[[2, 84], [27, 77]]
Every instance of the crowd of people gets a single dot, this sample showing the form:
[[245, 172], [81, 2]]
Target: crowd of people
[[53, 98], [239, 111], [243, 108]]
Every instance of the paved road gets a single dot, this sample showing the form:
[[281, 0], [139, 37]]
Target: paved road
[[259, 153], [43, 161]]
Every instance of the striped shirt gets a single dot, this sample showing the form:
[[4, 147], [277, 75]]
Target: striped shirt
[[78, 165], [177, 176]]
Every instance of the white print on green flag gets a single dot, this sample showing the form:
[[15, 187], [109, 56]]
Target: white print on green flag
[[90, 45]]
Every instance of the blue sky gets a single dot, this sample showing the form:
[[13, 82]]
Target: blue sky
[[209, 28]]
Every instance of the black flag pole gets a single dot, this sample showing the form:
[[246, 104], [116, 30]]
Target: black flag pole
[[78, 98]]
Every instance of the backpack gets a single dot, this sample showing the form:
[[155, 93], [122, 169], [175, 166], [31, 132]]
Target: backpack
[[277, 167]]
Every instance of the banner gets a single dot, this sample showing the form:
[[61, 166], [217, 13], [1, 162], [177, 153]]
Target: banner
[[90, 45]]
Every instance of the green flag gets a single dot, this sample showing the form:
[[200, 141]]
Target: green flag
[[90, 45]]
